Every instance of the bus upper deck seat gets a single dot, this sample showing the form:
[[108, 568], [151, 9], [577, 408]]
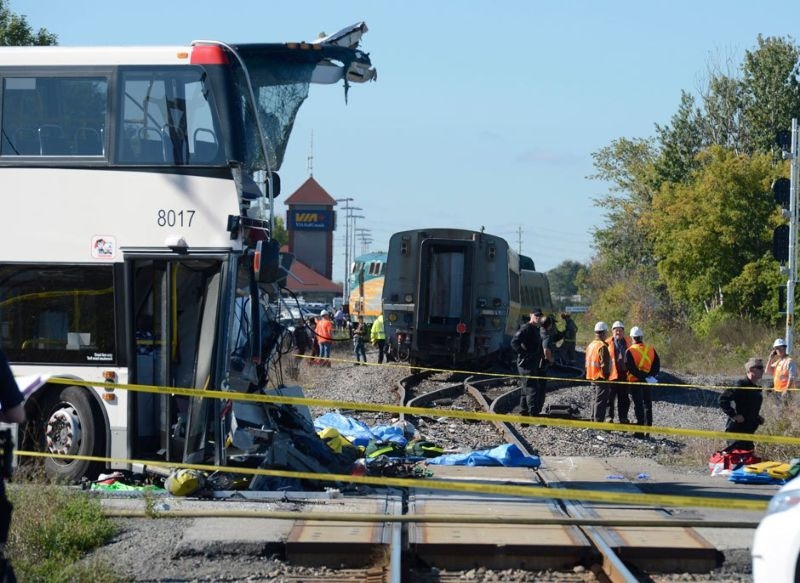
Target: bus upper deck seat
[[206, 150], [89, 142], [26, 142], [52, 141], [152, 149]]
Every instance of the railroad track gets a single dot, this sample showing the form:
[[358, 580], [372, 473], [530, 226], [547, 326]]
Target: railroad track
[[422, 534], [603, 559]]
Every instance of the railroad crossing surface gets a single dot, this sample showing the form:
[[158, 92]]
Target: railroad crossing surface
[[464, 529]]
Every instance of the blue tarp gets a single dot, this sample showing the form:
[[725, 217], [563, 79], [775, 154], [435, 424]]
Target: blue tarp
[[360, 434], [355, 431], [507, 455], [740, 476]]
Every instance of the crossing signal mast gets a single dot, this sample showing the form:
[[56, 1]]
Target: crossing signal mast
[[784, 238]]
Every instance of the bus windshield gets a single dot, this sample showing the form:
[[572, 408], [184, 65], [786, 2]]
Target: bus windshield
[[280, 76]]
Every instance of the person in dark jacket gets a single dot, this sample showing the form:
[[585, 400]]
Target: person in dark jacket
[[570, 338], [742, 404], [527, 343], [12, 410]]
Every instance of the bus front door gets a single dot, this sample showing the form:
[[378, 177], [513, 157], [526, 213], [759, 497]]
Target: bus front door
[[174, 306]]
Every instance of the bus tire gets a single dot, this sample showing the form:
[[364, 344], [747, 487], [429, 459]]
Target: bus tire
[[71, 424]]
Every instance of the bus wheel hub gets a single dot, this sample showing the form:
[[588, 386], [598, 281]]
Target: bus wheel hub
[[63, 433]]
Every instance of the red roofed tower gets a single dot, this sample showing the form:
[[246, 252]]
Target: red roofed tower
[[310, 222]]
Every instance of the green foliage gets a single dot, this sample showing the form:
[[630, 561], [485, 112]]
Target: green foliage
[[628, 165], [689, 215], [15, 30], [280, 233], [722, 121], [754, 292], [680, 143], [52, 528], [770, 83], [712, 226], [563, 279]]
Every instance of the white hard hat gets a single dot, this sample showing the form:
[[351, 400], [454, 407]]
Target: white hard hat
[[617, 324], [601, 327], [779, 342], [636, 332], [323, 313]]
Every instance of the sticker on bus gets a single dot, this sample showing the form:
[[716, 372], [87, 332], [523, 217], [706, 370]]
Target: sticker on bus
[[104, 247]]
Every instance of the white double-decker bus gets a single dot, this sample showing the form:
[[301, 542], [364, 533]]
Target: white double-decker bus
[[137, 185]]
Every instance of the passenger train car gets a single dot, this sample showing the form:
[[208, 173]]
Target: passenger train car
[[366, 286], [455, 297]]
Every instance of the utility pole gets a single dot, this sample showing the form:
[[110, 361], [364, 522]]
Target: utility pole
[[364, 237], [354, 217], [346, 283], [350, 253], [794, 175]]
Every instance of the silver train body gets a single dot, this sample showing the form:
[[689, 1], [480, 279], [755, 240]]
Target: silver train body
[[455, 297]]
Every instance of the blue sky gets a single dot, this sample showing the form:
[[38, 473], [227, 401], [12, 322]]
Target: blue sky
[[483, 114]]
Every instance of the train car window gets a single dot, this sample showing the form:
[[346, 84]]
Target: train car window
[[513, 292]]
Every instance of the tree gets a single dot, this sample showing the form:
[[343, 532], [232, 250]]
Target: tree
[[280, 233], [15, 30], [770, 80], [723, 120], [563, 277], [705, 231], [679, 142], [628, 165]]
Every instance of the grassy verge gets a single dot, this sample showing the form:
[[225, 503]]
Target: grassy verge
[[51, 529]]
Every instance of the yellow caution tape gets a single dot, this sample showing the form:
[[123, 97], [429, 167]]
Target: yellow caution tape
[[533, 491], [425, 412]]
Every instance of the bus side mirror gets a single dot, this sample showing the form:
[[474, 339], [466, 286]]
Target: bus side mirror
[[275, 180], [266, 261]]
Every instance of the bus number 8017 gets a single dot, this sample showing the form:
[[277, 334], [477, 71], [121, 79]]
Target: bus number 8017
[[173, 218]]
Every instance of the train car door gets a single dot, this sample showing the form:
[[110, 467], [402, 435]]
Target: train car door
[[445, 298]]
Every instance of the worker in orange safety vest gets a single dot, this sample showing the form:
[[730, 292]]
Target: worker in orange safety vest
[[598, 368], [782, 367], [643, 365]]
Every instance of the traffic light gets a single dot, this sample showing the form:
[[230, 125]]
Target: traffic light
[[780, 243], [781, 188], [784, 139]]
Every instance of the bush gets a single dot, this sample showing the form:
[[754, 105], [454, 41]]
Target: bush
[[52, 528]]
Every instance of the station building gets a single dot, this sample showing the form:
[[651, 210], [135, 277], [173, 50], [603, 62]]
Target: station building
[[310, 223]]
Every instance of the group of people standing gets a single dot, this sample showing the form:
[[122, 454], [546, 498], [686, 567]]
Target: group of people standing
[[621, 369], [315, 336]]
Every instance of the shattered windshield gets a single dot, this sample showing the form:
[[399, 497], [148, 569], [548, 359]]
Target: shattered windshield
[[280, 76]]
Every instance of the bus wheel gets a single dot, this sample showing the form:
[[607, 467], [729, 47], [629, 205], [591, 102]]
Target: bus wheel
[[71, 427]]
